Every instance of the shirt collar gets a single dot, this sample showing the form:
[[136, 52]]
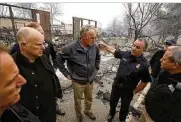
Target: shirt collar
[[134, 57], [24, 60]]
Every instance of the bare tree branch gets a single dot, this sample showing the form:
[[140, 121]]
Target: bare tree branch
[[54, 9]]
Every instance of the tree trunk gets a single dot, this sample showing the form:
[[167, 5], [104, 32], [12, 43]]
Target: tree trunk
[[135, 35]]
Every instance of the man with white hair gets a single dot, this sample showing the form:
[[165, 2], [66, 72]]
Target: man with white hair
[[162, 102]]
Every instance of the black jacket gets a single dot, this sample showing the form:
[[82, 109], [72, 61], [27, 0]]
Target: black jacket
[[35, 100], [162, 101], [131, 70], [155, 63], [49, 50], [18, 113]]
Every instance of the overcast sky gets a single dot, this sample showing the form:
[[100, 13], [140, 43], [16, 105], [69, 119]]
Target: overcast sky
[[102, 12]]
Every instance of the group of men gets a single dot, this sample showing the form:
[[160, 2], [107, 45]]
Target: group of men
[[42, 88], [29, 87], [37, 83]]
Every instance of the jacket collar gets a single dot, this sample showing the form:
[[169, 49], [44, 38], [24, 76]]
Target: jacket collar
[[135, 58], [22, 113], [21, 59], [81, 48], [47, 64]]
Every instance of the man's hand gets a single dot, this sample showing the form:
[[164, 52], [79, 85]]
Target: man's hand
[[140, 87], [102, 46]]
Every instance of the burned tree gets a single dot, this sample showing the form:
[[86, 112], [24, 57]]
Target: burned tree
[[54, 9], [140, 15], [169, 22]]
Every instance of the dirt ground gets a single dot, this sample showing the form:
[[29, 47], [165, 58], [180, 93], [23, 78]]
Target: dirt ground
[[100, 106]]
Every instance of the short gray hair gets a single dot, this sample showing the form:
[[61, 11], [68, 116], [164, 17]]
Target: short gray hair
[[86, 28], [144, 40], [176, 54]]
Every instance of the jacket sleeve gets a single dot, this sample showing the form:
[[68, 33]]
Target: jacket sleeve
[[98, 59], [155, 64], [53, 53], [60, 61], [14, 49], [8, 116], [152, 60]]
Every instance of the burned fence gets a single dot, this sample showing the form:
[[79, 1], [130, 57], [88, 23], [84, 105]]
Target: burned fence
[[13, 18]]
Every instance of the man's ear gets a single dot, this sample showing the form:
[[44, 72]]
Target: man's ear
[[176, 65], [22, 43]]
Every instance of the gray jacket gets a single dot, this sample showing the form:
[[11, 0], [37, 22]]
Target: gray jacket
[[82, 65]]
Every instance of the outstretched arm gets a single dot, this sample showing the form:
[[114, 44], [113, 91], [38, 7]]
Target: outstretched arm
[[104, 47]]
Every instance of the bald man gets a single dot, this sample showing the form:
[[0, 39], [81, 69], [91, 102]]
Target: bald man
[[38, 95], [49, 50]]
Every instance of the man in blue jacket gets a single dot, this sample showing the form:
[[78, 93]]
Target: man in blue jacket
[[83, 59]]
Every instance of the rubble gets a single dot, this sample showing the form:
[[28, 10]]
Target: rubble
[[136, 113], [6, 36], [106, 96]]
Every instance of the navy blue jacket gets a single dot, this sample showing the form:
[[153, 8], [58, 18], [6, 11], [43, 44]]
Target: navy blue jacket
[[82, 63]]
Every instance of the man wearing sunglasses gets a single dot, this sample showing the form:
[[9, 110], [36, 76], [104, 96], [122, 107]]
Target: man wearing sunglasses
[[155, 60]]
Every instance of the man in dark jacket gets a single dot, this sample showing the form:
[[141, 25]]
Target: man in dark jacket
[[83, 61], [10, 86], [155, 60], [132, 76], [49, 50], [38, 95], [11, 80], [157, 102]]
